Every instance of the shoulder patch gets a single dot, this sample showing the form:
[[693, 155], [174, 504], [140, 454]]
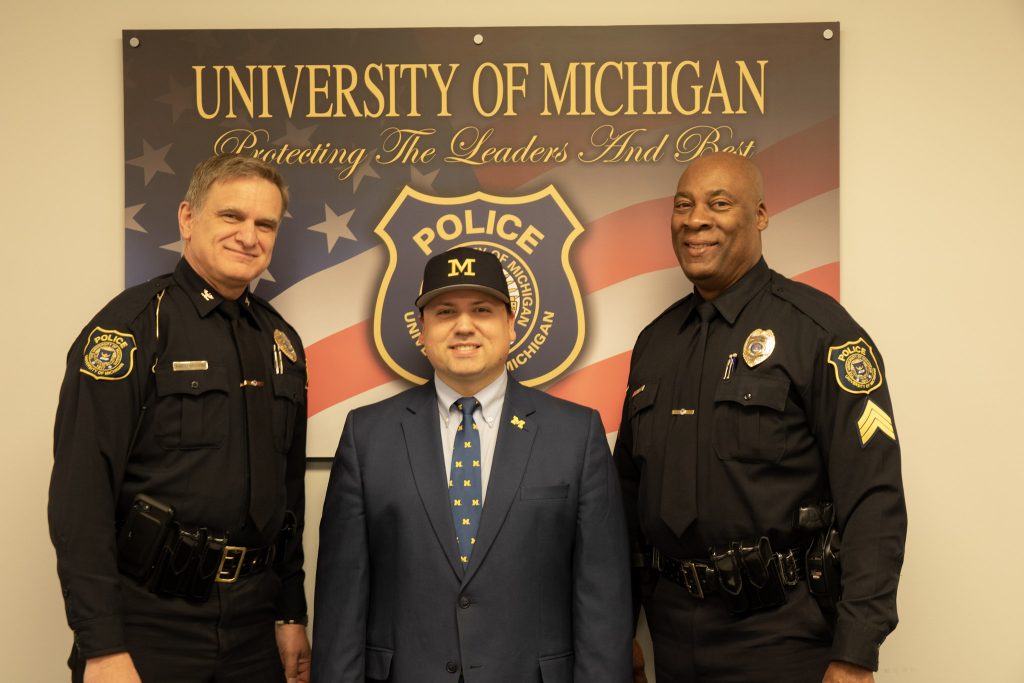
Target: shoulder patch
[[108, 354], [856, 367]]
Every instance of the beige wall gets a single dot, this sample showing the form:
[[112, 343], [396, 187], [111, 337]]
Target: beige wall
[[932, 229]]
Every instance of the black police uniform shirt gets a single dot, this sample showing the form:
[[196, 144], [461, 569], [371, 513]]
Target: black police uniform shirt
[[806, 423], [128, 422]]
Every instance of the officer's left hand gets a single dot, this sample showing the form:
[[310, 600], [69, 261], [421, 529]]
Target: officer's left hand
[[844, 672], [293, 645]]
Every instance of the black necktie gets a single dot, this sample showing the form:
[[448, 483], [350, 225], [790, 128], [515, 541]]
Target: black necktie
[[679, 484], [263, 472]]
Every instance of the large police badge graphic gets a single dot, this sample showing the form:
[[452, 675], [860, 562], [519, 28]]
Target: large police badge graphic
[[531, 236], [856, 367]]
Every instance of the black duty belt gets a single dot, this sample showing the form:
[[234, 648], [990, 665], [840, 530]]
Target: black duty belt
[[237, 562], [194, 559], [700, 578]]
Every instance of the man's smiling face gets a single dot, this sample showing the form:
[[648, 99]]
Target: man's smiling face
[[717, 218]]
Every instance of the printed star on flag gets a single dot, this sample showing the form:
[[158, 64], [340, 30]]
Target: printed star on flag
[[295, 136], [335, 226], [364, 170], [152, 161], [129, 218], [265, 275], [422, 181], [179, 98], [178, 246]]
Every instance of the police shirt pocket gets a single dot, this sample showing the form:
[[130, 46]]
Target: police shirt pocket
[[557, 669], [192, 408], [556, 492], [748, 425], [288, 393], [378, 663], [640, 413]]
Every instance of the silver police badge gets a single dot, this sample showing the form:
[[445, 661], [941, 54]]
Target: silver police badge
[[530, 235], [759, 345]]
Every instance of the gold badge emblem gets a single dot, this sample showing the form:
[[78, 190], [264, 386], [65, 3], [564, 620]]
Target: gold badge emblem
[[759, 345], [285, 345], [109, 354], [856, 366]]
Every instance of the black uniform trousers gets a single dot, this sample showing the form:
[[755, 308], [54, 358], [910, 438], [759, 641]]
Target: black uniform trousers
[[698, 640], [228, 639]]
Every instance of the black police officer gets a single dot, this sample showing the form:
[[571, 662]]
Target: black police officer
[[179, 456], [748, 400]]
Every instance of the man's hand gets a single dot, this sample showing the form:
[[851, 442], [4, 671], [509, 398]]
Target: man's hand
[[116, 668], [639, 675], [293, 646], [844, 672]]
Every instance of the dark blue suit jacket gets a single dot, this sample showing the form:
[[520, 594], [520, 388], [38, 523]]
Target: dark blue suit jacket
[[546, 594]]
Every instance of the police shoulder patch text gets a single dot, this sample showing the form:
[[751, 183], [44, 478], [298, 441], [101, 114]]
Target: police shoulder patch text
[[856, 367], [109, 354]]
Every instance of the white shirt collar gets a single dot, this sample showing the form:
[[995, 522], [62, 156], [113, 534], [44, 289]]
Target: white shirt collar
[[490, 397]]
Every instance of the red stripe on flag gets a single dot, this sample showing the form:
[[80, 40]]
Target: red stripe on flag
[[796, 169], [343, 365], [825, 278], [800, 167], [600, 386]]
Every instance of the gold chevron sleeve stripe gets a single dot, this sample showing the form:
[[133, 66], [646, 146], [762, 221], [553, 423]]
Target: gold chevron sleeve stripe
[[872, 420]]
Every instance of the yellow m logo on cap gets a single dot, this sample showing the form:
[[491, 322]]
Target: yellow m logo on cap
[[463, 267]]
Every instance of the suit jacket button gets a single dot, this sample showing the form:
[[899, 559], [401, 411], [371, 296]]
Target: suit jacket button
[[464, 602], [451, 667]]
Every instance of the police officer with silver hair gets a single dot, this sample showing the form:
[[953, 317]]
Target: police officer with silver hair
[[176, 498]]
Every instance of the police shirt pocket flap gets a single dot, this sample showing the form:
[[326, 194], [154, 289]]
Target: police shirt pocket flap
[[765, 392], [642, 397], [557, 669], [289, 387], [558, 491], [192, 382], [378, 663]]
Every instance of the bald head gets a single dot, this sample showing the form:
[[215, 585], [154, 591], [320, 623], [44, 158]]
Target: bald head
[[717, 219], [744, 172]]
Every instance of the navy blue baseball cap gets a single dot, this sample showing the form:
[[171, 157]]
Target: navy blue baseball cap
[[463, 268]]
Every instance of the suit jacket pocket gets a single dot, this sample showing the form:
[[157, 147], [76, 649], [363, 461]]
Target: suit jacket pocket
[[557, 668], [556, 492], [378, 663]]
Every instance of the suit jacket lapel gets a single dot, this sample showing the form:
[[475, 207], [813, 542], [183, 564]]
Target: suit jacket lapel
[[511, 455], [420, 426]]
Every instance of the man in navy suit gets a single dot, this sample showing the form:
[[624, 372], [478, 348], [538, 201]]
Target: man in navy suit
[[473, 529]]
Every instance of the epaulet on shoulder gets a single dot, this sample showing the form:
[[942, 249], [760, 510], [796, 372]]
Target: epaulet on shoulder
[[265, 304], [668, 310], [131, 302], [814, 303], [260, 301]]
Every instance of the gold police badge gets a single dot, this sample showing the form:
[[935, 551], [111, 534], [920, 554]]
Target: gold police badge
[[856, 367], [109, 354], [284, 344], [758, 346]]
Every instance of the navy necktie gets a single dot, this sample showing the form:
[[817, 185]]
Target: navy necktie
[[465, 483]]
